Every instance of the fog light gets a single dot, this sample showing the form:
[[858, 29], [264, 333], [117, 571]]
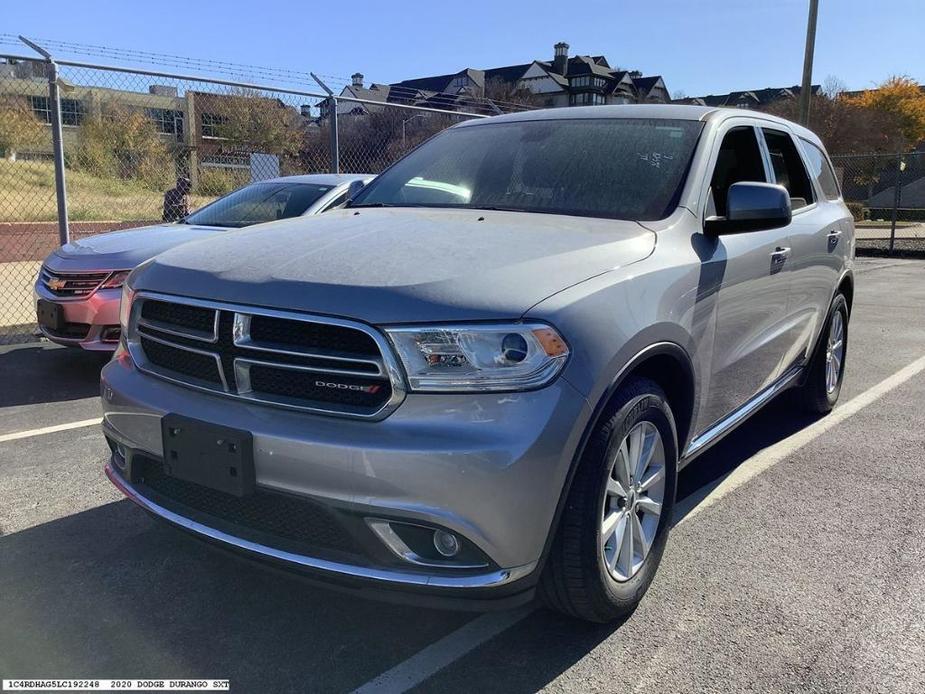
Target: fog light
[[446, 543]]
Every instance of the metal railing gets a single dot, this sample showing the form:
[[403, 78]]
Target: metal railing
[[88, 148]]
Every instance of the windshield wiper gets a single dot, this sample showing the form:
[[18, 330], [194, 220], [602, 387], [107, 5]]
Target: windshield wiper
[[493, 208], [376, 204]]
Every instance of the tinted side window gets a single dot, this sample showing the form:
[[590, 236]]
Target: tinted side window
[[821, 170], [739, 159], [788, 168]]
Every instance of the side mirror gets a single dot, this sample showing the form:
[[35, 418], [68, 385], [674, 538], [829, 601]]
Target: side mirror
[[354, 189], [752, 207]]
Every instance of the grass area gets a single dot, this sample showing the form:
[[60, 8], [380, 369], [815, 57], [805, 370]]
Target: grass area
[[27, 194]]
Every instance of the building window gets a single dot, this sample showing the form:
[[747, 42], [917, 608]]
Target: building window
[[41, 108], [167, 120], [72, 111], [600, 82], [583, 81], [459, 83], [586, 99], [212, 124]]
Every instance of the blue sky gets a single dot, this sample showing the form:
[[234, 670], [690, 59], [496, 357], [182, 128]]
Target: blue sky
[[699, 47]]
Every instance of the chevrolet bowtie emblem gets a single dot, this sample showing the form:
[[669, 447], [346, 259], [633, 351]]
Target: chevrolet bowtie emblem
[[55, 284]]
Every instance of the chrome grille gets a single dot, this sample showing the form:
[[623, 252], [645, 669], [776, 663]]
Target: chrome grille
[[71, 284], [282, 358]]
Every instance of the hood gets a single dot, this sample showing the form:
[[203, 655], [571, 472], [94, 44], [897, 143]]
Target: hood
[[397, 265], [123, 250]]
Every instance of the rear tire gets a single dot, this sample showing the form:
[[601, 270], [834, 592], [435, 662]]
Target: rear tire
[[820, 392], [609, 541]]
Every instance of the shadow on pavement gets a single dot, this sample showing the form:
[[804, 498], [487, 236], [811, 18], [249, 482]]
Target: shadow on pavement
[[546, 644], [42, 373], [110, 593]]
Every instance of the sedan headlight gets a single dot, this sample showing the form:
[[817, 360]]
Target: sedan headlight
[[518, 356], [115, 280]]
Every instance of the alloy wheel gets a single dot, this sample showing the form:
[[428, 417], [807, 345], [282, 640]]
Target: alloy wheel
[[835, 352], [633, 499]]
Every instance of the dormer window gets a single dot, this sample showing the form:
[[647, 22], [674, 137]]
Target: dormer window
[[459, 83]]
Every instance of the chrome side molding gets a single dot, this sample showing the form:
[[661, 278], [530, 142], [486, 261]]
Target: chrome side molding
[[715, 432]]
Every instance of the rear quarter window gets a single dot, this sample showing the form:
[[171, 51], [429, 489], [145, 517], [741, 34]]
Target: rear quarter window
[[821, 169]]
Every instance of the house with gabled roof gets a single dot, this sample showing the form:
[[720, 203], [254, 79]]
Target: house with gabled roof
[[565, 80], [752, 98]]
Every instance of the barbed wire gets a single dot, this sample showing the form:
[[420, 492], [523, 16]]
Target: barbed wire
[[285, 75], [165, 59]]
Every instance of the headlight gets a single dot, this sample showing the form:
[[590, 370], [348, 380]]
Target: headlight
[[125, 307], [479, 357], [115, 280]]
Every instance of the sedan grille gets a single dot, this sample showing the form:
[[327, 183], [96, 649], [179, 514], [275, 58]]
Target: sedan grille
[[280, 358], [71, 284]]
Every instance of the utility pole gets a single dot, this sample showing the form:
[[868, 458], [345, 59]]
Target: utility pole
[[807, 85]]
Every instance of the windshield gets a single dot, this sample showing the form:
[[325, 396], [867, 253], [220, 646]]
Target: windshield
[[259, 202], [622, 168]]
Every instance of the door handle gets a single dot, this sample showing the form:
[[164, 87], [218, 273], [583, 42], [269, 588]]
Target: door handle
[[835, 233], [780, 255]]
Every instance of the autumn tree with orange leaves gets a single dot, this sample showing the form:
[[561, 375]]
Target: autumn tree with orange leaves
[[903, 99]]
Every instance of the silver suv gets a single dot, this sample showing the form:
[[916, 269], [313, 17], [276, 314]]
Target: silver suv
[[480, 380]]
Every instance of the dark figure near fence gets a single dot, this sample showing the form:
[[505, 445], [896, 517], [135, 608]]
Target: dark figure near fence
[[176, 200]]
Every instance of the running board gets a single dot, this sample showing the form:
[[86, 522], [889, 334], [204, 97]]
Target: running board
[[717, 431]]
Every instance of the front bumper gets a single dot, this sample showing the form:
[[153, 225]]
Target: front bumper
[[488, 467], [99, 311]]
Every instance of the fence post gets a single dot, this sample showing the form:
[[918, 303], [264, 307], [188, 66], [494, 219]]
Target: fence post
[[57, 142], [897, 197], [64, 232], [332, 121], [335, 145]]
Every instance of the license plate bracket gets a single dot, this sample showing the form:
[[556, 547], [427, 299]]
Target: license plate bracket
[[211, 455], [49, 315]]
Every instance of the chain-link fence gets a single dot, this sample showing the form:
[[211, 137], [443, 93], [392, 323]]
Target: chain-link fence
[[139, 147], [135, 147], [886, 195]]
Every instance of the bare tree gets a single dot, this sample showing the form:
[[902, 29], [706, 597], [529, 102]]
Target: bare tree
[[509, 96]]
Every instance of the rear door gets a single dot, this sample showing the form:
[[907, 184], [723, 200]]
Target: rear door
[[819, 232], [752, 335]]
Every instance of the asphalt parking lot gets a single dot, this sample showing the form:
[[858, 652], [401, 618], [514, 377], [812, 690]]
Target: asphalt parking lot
[[797, 562]]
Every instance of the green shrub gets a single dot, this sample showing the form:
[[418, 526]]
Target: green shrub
[[857, 210], [216, 181], [123, 143], [19, 128]]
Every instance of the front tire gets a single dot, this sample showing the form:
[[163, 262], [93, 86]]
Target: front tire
[[616, 519]]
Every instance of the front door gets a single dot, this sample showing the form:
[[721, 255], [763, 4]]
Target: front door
[[752, 333]]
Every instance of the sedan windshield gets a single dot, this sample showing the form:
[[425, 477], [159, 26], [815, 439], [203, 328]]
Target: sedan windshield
[[621, 168], [257, 203]]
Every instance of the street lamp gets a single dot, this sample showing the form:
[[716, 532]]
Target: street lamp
[[408, 120]]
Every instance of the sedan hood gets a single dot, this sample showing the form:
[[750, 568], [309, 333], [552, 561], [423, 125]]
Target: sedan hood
[[123, 250], [400, 265]]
